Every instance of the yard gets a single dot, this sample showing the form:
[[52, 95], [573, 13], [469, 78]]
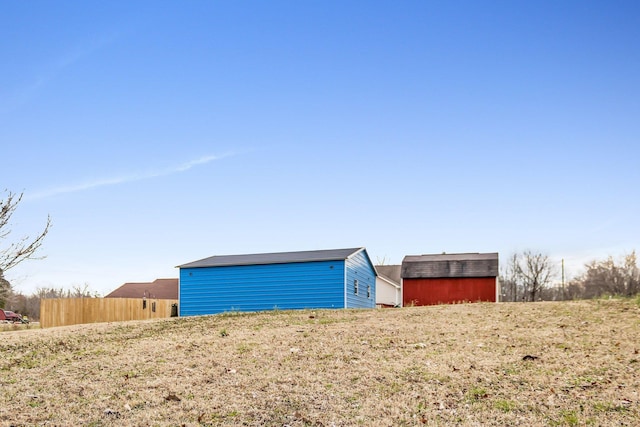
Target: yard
[[564, 364]]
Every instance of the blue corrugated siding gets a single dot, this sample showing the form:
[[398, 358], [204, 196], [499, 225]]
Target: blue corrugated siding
[[359, 268], [211, 290]]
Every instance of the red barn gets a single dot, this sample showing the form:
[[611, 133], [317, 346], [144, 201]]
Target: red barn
[[449, 278]]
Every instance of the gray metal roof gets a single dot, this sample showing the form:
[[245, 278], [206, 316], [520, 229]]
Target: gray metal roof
[[390, 272], [273, 258], [450, 265]]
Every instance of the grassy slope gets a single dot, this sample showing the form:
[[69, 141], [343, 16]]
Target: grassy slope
[[441, 365]]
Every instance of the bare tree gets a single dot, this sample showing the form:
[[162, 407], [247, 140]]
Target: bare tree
[[510, 279], [25, 247], [610, 277], [381, 261], [536, 273], [77, 291], [83, 291], [526, 276], [13, 253]]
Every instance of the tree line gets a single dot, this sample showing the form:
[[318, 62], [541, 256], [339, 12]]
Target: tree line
[[526, 276], [532, 276], [29, 305]]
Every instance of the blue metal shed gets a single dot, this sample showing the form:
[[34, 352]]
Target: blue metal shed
[[336, 278]]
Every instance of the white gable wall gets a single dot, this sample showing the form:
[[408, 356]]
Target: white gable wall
[[387, 292]]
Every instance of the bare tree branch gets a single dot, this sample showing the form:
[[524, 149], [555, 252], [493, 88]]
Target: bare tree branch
[[26, 247], [526, 276], [536, 272]]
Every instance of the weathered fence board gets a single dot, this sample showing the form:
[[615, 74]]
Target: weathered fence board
[[73, 311]]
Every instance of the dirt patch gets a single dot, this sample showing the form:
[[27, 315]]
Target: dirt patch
[[570, 363]]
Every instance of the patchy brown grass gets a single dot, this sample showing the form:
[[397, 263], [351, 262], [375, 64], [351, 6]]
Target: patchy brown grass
[[4, 327], [442, 365]]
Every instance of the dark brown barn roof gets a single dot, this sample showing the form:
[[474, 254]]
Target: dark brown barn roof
[[158, 289], [450, 265]]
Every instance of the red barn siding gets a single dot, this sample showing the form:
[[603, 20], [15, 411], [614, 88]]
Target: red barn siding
[[448, 290]]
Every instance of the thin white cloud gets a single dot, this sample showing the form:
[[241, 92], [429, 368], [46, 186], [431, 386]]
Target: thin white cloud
[[192, 163], [48, 71], [123, 179]]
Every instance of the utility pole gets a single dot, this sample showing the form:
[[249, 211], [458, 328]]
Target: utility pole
[[563, 297]]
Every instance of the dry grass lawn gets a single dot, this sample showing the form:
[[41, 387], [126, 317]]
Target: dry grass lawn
[[541, 364]]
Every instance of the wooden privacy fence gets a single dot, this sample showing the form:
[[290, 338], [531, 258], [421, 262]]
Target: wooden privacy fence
[[73, 311]]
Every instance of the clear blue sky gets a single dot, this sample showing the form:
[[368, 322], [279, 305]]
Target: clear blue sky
[[157, 133]]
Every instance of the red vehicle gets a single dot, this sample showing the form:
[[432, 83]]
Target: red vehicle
[[10, 316]]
